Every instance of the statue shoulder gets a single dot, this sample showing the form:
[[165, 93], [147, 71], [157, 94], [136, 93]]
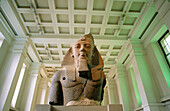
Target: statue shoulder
[[57, 75]]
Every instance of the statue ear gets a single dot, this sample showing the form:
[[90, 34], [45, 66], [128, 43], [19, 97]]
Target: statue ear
[[68, 59]]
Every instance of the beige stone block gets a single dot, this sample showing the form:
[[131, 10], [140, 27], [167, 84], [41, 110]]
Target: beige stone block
[[79, 108], [43, 107], [114, 107], [111, 107]]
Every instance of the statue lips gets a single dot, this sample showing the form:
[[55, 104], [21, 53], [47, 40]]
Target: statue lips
[[83, 55]]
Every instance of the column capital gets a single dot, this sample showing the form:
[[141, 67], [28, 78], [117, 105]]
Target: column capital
[[111, 82], [120, 69], [135, 47], [36, 68], [20, 45]]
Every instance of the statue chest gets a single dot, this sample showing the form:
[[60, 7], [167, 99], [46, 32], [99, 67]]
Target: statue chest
[[68, 83]]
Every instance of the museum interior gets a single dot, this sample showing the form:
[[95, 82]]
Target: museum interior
[[132, 37]]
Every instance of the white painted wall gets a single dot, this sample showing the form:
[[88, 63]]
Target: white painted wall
[[3, 52]]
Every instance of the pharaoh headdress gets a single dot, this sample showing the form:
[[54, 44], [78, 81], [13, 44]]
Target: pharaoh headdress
[[97, 62]]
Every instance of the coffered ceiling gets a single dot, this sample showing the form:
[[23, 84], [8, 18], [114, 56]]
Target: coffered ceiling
[[54, 26]]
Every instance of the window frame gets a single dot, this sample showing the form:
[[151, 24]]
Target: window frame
[[162, 49]]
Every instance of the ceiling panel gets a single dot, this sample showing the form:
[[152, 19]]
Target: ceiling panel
[[70, 19]]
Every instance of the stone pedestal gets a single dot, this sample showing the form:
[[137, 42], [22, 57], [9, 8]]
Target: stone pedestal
[[110, 107]]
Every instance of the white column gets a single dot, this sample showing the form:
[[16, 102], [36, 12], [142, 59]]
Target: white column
[[112, 91], [10, 72], [47, 92], [42, 91], [143, 78], [42, 96], [28, 97], [35, 71], [123, 88], [105, 97]]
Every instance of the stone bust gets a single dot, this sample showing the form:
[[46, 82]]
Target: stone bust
[[81, 81]]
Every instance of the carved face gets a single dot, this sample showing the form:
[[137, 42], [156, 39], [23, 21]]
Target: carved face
[[83, 50]]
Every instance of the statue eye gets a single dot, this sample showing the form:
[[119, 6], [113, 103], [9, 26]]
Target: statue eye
[[88, 46], [77, 46]]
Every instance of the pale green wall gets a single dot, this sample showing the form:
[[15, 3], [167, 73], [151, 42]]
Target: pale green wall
[[157, 65]]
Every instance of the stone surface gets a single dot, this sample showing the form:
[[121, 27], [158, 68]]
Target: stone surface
[[112, 107], [82, 80], [83, 102], [44, 107]]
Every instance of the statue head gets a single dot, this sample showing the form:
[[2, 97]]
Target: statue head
[[83, 55], [82, 50]]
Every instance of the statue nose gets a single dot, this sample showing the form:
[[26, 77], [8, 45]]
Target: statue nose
[[82, 49]]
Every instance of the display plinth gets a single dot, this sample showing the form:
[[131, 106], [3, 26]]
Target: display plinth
[[110, 107]]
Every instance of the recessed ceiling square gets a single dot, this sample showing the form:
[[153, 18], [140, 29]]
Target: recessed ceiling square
[[48, 29], [109, 31], [45, 18], [65, 45], [113, 20], [48, 67], [114, 53], [28, 17], [118, 5], [42, 52], [99, 5], [111, 59], [54, 52], [44, 57], [63, 30], [52, 45], [117, 46], [124, 32], [95, 31], [79, 30], [62, 18], [129, 20], [80, 19], [33, 29], [39, 45], [42, 4], [103, 53], [22, 3], [80, 4], [50, 70], [58, 68], [56, 58], [61, 4], [104, 46], [136, 7], [97, 19]]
